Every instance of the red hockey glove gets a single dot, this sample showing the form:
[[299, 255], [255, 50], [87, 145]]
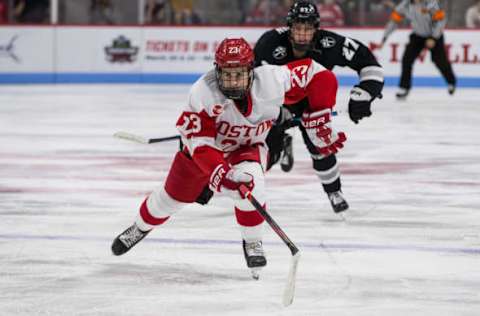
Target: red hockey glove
[[319, 134], [226, 180], [333, 147]]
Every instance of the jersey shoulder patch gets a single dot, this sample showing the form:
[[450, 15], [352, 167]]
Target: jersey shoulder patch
[[272, 47], [328, 39], [328, 42], [280, 52]]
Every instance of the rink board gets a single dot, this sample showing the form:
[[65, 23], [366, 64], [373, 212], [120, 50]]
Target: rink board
[[87, 54]]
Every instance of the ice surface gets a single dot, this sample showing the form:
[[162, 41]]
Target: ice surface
[[410, 244]]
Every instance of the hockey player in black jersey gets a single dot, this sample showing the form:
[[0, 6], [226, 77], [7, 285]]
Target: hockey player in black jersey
[[302, 38]]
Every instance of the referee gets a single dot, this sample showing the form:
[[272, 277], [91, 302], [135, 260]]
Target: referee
[[428, 22]]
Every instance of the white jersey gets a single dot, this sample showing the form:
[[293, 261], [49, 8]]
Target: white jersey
[[210, 119]]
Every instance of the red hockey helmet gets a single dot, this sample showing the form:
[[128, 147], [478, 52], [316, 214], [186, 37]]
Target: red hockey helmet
[[234, 53]]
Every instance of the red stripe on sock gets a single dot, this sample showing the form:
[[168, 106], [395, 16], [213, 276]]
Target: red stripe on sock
[[248, 218], [148, 218]]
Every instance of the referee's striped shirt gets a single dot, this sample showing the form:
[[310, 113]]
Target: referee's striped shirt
[[426, 17]]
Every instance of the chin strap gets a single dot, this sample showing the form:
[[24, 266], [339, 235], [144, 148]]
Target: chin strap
[[301, 47]]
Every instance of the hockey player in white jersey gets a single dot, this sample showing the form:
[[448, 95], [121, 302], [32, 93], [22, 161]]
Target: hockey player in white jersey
[[229, 113]]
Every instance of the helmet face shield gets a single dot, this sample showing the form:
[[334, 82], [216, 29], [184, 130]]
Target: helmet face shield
[[302, 19], [234, 67], [301, 35], [234, 82]]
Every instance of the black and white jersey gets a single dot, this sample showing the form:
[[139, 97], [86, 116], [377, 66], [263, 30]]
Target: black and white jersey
[[329, 49]]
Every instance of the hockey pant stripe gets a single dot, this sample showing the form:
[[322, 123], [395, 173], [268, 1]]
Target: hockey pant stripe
[[327, 169], [329, 176], [251, 225], [248, 218], [157, 208], [149, 219]]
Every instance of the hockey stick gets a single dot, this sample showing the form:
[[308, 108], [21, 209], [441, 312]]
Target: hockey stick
[[144, 140], [289, 291]]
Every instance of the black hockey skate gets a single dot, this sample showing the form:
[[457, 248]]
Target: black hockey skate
[[286, 162], [126, 240], [255, 257], [402, 93], [338, 202]]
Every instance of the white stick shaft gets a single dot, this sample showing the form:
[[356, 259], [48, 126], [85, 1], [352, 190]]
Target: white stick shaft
[[289, 291]]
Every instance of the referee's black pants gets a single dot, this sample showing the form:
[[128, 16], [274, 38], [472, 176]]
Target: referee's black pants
[[439, 58]]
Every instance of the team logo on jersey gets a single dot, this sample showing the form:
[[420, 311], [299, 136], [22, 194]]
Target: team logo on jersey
[[328, 42], [299, 76], [217, 109], [280, 52]]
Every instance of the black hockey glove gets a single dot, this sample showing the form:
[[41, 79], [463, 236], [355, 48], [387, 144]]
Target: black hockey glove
[[359, 104], [286, 119]]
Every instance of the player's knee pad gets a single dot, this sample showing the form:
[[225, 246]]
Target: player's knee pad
[[249, 220], [254, 169]]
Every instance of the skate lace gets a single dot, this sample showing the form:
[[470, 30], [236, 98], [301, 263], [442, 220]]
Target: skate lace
[[288, 145], [131, 236], [336, 197], [287, 152], [285, 158], [254, 248]]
